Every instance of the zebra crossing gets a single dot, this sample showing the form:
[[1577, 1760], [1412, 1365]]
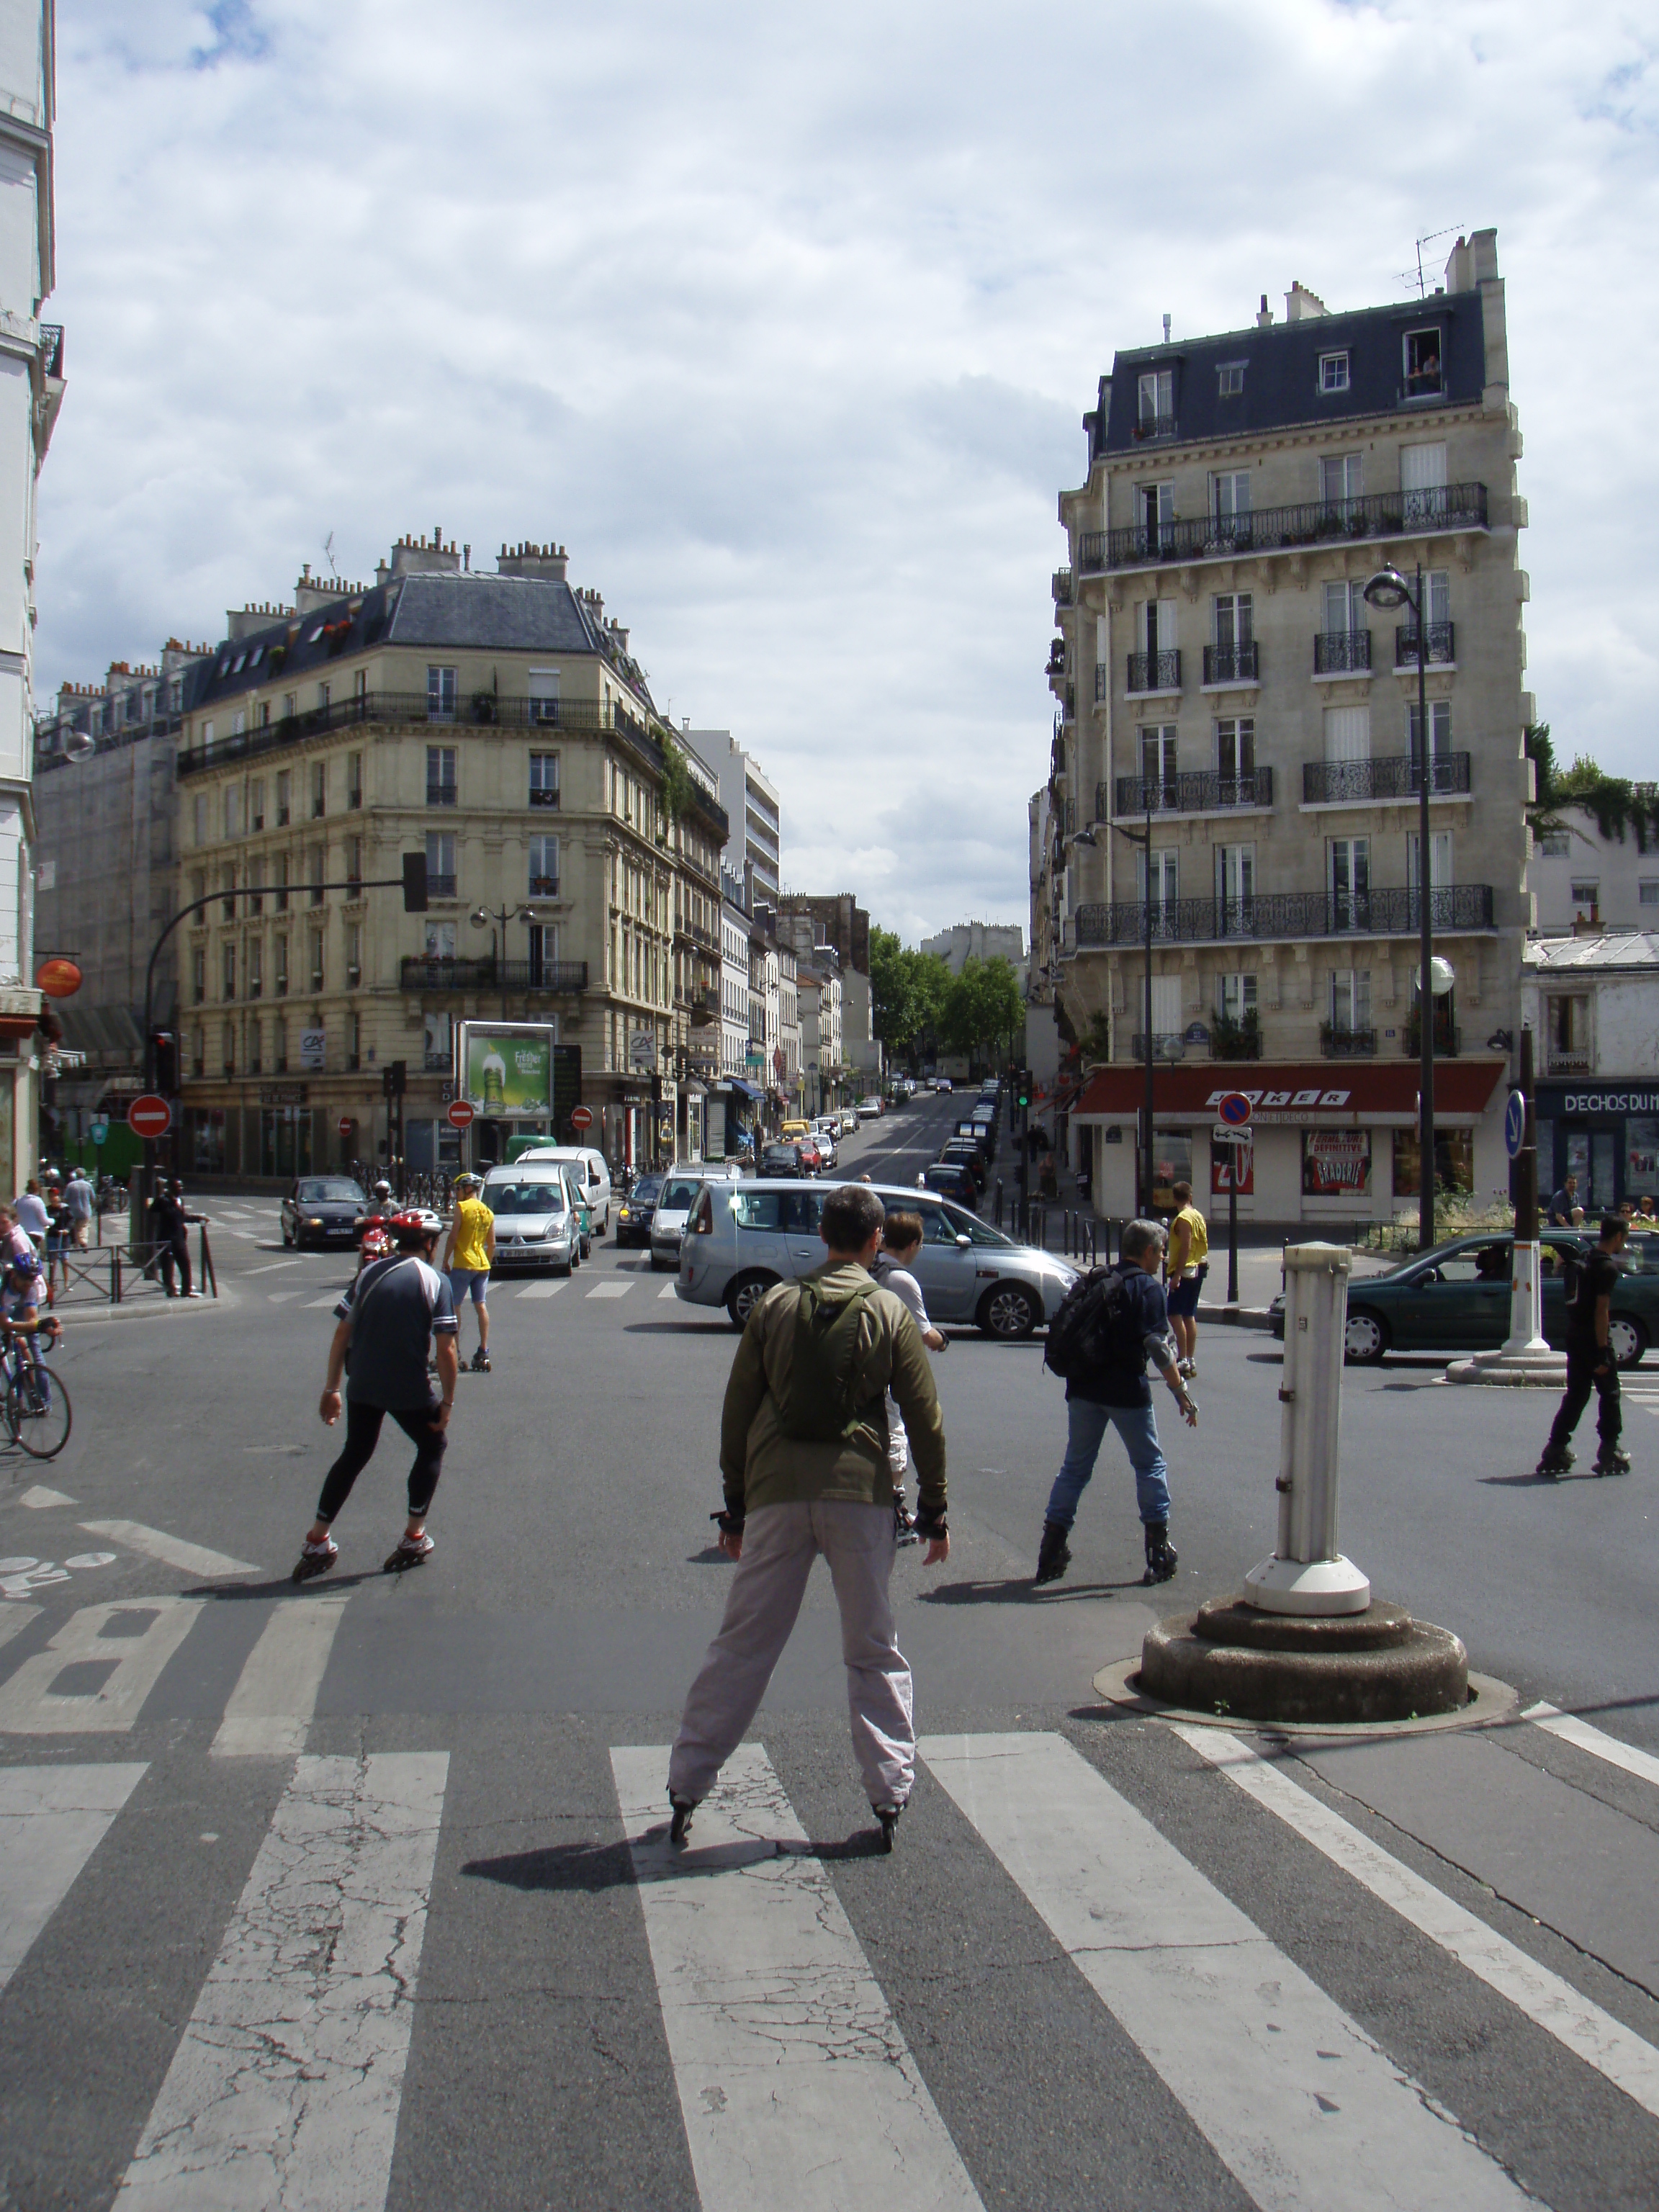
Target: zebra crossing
[[796, 2081]]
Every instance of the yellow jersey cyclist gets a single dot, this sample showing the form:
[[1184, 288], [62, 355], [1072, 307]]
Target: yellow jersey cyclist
[[468, 1257]]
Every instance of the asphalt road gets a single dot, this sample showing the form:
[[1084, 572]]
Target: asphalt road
[[349, 1895]]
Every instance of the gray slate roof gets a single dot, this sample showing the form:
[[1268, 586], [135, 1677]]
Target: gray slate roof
[[1633, 948], [491, 614]]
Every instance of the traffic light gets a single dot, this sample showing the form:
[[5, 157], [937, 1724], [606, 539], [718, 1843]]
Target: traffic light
[[166, 1062], [414, 883], [394, 1079], [1023, 1087]]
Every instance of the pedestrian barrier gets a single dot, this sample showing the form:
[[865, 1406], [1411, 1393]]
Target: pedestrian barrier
[[142, 1267]]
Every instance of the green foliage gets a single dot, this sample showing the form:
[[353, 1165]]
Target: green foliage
[[678, 789], [907, 992], [1455, 1214], [1096, 1040], [1614, 800], [984, 1006], [1236, 1039]]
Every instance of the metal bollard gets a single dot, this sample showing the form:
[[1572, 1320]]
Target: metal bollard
[[1307, 1574], [999, 1201]]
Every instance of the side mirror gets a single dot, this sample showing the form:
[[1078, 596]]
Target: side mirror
[[963, 1243]]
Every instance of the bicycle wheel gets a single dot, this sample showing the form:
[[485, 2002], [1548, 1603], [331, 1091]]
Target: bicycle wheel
[[38, 1412]]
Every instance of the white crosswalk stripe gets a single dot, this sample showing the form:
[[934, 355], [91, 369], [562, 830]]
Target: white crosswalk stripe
[[540, 1290], [1594, 1740], [1298, 2102], [610, 1290], [52, 1821], [171, 1551], [668, 1291], [276, 1693], [762, 1983], [291, 2069]]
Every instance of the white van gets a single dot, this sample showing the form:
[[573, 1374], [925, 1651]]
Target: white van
[[595, 1174]]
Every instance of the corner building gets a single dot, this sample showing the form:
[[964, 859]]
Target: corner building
[[1223, 684]]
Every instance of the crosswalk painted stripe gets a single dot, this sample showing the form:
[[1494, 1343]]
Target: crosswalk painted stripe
[[271, 1265], [282, 1297], [796, 2085], [40, 1495], [171, 1551], [96, 1673], [314, 1305], [610, 1290], [668, 1291], [271, 1708], [285, 2088], [1297, 2101], [1595, 1740], [52, 1821], [540, 1290], [1552, 2003]]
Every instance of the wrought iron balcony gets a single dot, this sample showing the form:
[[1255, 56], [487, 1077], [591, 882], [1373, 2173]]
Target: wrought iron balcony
[[51, 350], [1197, 792], [442, 794], [1166, 1045], [1327, 783], [1442, 645], [1569, 1059], [1061, 586], [1154, 672], [1284, 529], [1230, 664], [1103, 681], [1269, 914], [437, 887], [1448, 1041], [1155, 426], [1338, 1042], [1342, 653], [559, 978]]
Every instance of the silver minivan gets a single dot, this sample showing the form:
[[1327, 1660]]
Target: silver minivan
[[591, 1170], [675, 1201], [744, 1236], [537, 1223]]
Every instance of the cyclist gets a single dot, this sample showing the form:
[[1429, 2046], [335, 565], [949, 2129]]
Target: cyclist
[[468, 1257], [20, 1306]]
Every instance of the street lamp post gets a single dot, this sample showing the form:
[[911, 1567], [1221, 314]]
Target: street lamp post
[[1387, 590], [483, 916]]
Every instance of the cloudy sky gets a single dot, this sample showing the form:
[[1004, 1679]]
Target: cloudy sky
[[782, 319]]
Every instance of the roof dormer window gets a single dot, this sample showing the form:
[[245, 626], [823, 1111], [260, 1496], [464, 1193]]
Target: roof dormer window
[[1333, 372], [1423, 375], [1229, 378], [239, 664]]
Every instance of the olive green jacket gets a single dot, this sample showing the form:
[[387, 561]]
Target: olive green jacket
[[761, 1466]]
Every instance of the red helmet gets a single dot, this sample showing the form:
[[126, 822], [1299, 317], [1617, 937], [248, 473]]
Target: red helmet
[[415, 1222]]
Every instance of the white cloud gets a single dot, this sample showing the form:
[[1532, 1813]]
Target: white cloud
[[785, 323]]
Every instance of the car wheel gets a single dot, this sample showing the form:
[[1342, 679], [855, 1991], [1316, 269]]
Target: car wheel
[[1008, 1312], [1627, 1340], [1367, 1337], [567, 1269], [744, 1295]]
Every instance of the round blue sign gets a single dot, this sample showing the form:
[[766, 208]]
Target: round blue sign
[[1515, 1123], [1234, 1109]]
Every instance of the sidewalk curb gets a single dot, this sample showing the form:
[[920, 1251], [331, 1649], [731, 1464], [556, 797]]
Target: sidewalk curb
[[1490, 1702], [1237, 1316]]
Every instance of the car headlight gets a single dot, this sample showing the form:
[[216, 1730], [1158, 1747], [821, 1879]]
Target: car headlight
[[621, 1213], [314, 1224]]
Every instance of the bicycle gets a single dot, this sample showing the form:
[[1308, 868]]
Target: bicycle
[[36, 1407]]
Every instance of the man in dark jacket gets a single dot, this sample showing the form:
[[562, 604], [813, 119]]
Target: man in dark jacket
[[1116, 1394], [1590, 1364], [172, 1221], [789, 1497]]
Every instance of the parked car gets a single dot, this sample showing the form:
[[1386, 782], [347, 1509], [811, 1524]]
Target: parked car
[[595, 1175], [781, 1160], [681, 1186], [871, 1109], [811, 1154], [951, 1180], [964, 1152], [1456, 1298], [825, 1141], [634, 1213], [321, 1210], [742, 1237], [538, 1215], [788, 1131]]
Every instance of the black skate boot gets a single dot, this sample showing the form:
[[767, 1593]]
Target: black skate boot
[[1054, 1554], [889, 1817], [1554, 1464], [1161, 1553], [315, 1559], [680, 1826], [1613, 1459]]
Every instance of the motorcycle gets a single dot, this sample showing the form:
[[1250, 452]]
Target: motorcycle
[[375, 1240]]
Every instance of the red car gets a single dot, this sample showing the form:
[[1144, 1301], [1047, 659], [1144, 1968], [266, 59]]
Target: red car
[[811, 1158]]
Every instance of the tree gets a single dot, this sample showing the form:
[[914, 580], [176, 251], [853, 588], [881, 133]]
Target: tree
[[984, 1005], [1614, 800], [907, 990]]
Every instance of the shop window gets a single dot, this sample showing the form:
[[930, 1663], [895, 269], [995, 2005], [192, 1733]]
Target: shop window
[[1336, 1164], [1172, 1163], [1453, 1161], [1642, 1157]]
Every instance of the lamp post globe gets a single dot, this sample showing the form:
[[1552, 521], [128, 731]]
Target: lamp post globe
[[1387, 589]]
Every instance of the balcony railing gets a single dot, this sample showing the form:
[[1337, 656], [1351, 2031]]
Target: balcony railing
[[1388, 912], [1154, 672], [1338, 1043], [1342, 653], [559, 977], [1448, 1041], [1230, 664], [440, 887], [51, 350], [1155, 426], [1061, 585], [1197, 792], [441, 794], [1442, 645], [1170, 1045], [1283, 529], [1328, 783], [1103, 681], [1569, 1059]]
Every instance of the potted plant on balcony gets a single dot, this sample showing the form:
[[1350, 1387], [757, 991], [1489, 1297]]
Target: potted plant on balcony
[[1236, 1039]]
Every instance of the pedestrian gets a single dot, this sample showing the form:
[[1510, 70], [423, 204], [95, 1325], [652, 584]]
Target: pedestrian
[[172, 1221], [1644, 1207], [805, 1461], [1562, 1204], [468, 1258], [79, 1199], [1047, 1178], [1590, 1363], [1122, 1321], [384, 1323], [1185, 1267], [57, 1243], [901, 1241], [31, 1216]]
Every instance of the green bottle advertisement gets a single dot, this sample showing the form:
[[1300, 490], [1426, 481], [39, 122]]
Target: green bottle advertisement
[[509, 1068]]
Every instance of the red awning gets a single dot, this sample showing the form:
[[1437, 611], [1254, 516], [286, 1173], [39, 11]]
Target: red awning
[[1292, 1094]]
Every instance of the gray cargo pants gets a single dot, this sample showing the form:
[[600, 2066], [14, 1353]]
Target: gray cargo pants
[[780, 1543]]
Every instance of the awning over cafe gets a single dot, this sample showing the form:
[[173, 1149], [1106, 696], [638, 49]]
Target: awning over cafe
[[1293, 1095]]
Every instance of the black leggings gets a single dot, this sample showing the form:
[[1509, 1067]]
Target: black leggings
[[363, 1433], [1581, 1379]]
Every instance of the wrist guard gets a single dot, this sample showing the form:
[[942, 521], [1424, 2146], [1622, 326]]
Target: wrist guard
[[731, 1524], [930, 1526]]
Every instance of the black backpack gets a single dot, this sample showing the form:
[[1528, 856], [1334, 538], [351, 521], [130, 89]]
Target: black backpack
[[1086, 1333]]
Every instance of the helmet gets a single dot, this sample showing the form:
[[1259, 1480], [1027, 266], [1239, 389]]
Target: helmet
[[383, 1188], [415, 1224], [466, 1179], [25, 1264]]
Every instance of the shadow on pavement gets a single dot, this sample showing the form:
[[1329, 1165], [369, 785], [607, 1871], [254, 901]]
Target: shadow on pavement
[[1020, 1591], [286, 1586]]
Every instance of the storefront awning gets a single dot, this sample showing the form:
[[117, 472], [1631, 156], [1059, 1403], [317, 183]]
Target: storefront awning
[[1285, 1094], [752, 1090]]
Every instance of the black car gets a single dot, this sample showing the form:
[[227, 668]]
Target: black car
[[322, 1209], [951, 1180], [782, 1160], [961, 1153], [634, 1214]]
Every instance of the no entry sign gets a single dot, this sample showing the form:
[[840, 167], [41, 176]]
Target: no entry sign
[[460, 1114], [150, 1116], [582, 1117], [345, 1124]]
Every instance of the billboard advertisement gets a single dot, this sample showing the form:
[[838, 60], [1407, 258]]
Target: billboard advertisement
[[506, 1067], [1336, 1163], [1225, 1162]]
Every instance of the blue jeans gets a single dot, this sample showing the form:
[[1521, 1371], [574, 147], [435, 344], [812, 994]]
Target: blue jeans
[[1086, 1432]]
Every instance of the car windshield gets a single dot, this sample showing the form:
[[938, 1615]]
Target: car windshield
[[534, 1194], [964, 1224], [320, 1189], [680, 1195], [645, 1190]]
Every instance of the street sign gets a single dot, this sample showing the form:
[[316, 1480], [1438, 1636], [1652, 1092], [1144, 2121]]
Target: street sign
[[779, 1064], [582, 1117], [460, 1114], [1195, 1033], [1234, 1109], [1221, 1134], [1515, 1123], [59, 977], [345, 1124], [100, 1133], [150, 1116], [643, 1048]]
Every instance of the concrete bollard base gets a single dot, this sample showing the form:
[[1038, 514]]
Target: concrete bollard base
[[1230, 1658]]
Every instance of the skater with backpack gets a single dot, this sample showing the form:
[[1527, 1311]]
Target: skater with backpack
[[1590, 1363], [805, 1461], [1111, 1323]]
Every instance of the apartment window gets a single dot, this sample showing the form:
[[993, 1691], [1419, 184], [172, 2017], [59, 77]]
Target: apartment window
[[1341, 477], [199, 1053], [316, 960], [262, 715], [543, 779], [1235, 997], [255, 1046], [256, 804], [256, 882], [1157, 397], [1154, 512], [197, 977], [1348, 881], [256, 984], [284, 799], [1157, 629], [543, 695], [354, 955], [1423, 377], [440, 940], [360, 686], [1646, 893], [1166, 878], [1234, 885], [353, 867], [323, 697], [1347, 733], [544, 950], [1558, 843], [279, 1046], [1235, 759], [238, 723], [1439, 729], [544, 867], [279, 967], [1343, 609], [1585, 891], [1423, 480], [440, 775], [1437, 590], [1159, 761], [440, 695], [207, 733], [200, 818], [1230, 380], [1230, 493], [226, 971], [228, 890], [232, 811], [1333, 372], [1567, 1034], [1440, 860], [290, 705], [318, 790], [176, 694], [1232, 620], [440, 863], [318, 864], [354, 778], [354, 1042], [284, 866], [227, 1047], [1350, 1001]]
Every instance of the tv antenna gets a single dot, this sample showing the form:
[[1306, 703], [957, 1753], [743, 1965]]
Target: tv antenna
[[328, 555], [1415, 275]]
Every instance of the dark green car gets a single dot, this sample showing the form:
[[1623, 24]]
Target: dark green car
[[1456, 1298]]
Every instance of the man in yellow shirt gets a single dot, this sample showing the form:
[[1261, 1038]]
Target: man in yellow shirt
[[1185, 1267], [468, 1257]]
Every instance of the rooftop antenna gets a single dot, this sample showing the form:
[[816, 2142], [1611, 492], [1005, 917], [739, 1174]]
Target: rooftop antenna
[[1415, 275], [328, 555]]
